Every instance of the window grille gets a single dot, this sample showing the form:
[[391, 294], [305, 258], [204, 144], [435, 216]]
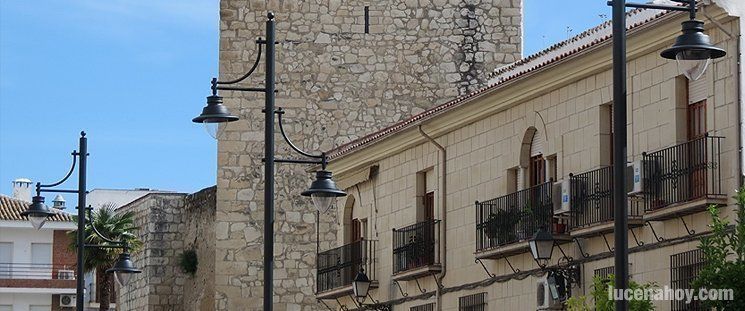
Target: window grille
[[475, 302], [684, 268]]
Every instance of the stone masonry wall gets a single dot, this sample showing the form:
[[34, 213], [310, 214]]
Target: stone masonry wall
[[337, 83], [169, 224]]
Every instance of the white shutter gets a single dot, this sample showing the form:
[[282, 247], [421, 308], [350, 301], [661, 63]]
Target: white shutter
[[536, 146], [6, 260], [698, 90]]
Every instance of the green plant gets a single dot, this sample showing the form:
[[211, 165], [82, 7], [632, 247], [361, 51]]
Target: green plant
[[501, 226], [188, 261], [603, 302], [577, 303], [724, 258], [112, 225]]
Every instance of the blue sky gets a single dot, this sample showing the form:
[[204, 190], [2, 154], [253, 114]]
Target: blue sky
[[132, 73]]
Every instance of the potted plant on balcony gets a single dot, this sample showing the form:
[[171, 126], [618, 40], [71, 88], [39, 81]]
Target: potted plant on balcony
[[414, 252], [500, 226]]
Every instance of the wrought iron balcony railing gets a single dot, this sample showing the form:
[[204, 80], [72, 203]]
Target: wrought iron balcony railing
[[592, 198], [337, 267], [12, 270], [683, 172], [514, 217], [415, 246]]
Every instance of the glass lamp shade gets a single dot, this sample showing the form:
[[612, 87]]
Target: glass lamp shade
[[122, 278], [37, 220], [323, 190], [542, 245], [693, 50], [37, 212], [361, 284], [322, 201], [691, 67], [215, 130]]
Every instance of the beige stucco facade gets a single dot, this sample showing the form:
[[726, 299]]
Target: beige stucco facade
[[566, 101]]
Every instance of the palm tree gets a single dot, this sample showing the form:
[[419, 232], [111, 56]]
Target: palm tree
[[114, 226]]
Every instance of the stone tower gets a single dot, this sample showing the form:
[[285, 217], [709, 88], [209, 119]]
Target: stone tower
[[344, 69]]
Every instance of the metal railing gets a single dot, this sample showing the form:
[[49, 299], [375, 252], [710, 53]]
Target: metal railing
[[592, 198], [415, 246], [683, 172], [514, 217], [337, 267], [13, 270]]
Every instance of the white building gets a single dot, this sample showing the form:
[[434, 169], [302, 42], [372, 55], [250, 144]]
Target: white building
[[36, 267]]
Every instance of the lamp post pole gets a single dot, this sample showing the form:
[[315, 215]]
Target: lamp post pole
[[620, 199], [83, 154], [269, 167]]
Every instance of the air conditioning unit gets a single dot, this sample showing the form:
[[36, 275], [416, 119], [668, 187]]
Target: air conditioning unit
[[548, 297], [563, 192], [65, 274], [637, 176], [67, 300]]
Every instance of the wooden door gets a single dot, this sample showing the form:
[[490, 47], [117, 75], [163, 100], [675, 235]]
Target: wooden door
[[697, 160]]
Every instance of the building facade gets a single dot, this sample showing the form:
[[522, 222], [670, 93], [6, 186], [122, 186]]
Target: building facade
[[442, 204], [36, 268], [343, 68]]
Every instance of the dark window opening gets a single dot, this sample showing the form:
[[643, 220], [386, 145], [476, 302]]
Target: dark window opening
[[475, 302], [367, 19], [684, 268]]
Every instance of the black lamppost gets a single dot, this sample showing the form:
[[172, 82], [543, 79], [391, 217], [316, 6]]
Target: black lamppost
[[361, 289], [693, 51], [323, 190], [38, 212]]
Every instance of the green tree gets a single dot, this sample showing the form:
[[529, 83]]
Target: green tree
[[724, 258], [603, 302], [114, 226]]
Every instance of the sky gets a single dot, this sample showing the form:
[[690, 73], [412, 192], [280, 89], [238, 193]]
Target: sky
[[132, 74]]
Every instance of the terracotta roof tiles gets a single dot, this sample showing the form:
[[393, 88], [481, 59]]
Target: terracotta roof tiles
[[10, 209]]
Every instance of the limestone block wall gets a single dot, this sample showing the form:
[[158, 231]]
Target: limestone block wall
[[170, 223], [480, 153], [337, 82]]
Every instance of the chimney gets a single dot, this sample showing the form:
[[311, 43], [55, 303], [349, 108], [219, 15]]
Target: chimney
[[59, 202], [22, 189]]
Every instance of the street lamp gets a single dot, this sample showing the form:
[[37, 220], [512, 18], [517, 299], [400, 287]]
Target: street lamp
[[38, 213], [361, 285], [215, 115], [542, 246], [123, 268], [693, 51]]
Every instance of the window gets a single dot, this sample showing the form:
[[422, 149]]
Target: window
[[6, 259], [475, 302], [606, 134], [41, 260], [427, 307], [605, 272], [537, 170], [429, 206], [6, 308], [684, 268], [367, 19]]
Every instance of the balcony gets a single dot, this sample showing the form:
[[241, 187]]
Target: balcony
[[27, 275], [683, 179], [591, 200], [337, 267], [504, 224], [415, 250]]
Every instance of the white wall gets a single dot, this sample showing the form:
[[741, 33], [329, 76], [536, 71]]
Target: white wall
[[22, 239], [23, 302]]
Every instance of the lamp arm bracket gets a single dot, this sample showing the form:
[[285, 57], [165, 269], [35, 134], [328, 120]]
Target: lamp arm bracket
[[400, 289], [321, 156], [215, 82], [69, 173], [103, 237]]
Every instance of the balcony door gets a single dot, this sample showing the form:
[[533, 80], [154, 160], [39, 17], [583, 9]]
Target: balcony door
[[697, 159]]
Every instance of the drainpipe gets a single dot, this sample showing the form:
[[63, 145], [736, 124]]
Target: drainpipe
[[443, 215]]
